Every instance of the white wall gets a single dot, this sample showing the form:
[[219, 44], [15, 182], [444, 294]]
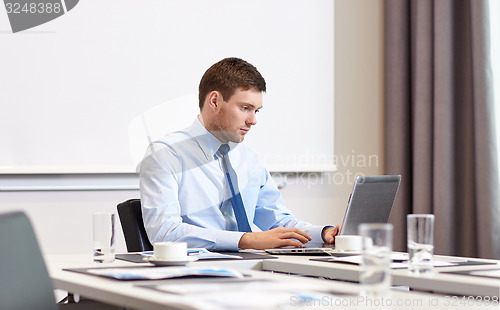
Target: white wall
[[62, 220], [358, 113]]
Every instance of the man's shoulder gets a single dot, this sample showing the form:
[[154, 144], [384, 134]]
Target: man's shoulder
[[244, 148], [178, 144], [250, 155]]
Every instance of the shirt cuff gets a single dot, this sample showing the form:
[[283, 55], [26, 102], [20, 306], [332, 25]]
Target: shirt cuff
[[228, 240], [316, 234]]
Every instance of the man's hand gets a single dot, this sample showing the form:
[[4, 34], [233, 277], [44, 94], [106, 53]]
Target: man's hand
[[329, 233], [274, 238]]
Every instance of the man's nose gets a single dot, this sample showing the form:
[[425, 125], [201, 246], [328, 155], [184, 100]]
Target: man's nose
[[252, 119]]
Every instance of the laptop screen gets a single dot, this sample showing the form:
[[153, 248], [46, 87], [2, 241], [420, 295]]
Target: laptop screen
[[371, 201]]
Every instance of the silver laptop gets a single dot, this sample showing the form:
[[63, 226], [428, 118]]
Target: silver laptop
[[370, 201]]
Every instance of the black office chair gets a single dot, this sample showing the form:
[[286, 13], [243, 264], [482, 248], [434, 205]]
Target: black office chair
[[133, 226], [24, 280]]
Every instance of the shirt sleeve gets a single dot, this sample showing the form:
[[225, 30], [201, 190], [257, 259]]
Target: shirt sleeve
[[160, 176], [271, 212]]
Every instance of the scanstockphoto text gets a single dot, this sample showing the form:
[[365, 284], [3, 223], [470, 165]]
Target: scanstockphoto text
[[348, 168], [311, 179], [456, 302], [352, 160]]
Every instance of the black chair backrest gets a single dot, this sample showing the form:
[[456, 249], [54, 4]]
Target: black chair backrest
[[133, 226], [24, 280]]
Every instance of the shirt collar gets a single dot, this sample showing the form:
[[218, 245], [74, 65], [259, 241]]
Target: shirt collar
[[206, 140]]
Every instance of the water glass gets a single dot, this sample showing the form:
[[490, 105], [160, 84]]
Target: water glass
[[375, 274], [420, 242], [104, 237]]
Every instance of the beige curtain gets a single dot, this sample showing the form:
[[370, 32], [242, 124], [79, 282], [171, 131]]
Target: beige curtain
[[440, 122]]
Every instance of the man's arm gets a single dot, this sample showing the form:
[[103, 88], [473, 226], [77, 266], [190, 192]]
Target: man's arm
[[280, 237], [271, 213], [274, 238]]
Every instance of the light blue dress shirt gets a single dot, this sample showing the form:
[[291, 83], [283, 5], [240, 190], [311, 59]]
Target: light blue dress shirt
[[184, 196]]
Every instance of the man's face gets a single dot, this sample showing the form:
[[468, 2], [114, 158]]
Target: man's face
[[236, 116]]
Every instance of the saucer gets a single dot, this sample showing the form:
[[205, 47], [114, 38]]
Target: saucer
[[169, 262]]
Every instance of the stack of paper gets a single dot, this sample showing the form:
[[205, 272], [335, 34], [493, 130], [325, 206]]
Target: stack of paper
[[157, 273]]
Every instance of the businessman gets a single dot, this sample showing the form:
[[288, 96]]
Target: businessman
[[203, 186]]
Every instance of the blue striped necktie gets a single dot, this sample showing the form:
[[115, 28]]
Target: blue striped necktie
[[232, 181]]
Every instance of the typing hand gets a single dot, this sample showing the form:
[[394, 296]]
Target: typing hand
[[275, 238], [329, 233]]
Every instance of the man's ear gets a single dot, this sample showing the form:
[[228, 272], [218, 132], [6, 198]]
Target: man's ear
[[214, 99]]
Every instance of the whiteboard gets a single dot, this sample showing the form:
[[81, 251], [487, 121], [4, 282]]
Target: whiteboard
[[84, 93]]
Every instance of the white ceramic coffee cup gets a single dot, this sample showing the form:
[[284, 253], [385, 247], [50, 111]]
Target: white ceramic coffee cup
[[170, 250], [348, 243]]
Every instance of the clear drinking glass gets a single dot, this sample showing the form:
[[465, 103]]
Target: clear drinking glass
[[420, 242], [104, 237], [375, 274]]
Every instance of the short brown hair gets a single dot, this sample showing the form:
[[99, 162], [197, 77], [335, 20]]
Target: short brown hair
[[228, 75]]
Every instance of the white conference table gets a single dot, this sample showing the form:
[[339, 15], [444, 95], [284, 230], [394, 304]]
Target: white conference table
[[440, 281], [346, 295]]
